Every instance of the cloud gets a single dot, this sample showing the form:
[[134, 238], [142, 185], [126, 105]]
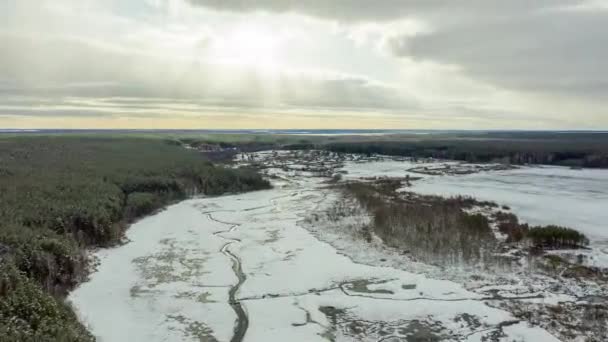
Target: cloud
[[560, 52], [56, 67], [44, 66], [486, 63], [546, 46], [365, 10]]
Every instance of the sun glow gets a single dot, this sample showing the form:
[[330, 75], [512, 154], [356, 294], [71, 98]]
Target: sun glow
[[248, 46]]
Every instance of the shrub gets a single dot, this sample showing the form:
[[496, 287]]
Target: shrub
[[141, 203], [29, 314], [557, 237], [59, 194], [156, 184], [432, 228], [509, 225], [54, 261]]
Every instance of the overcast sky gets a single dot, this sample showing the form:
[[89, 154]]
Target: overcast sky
[[477, 64]]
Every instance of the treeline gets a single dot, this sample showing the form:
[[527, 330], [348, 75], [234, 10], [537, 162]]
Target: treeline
[[575, 153], [223, 150], [443, 231], [242, 146], [540, 237], [59, 195], [557, 237], [432, 229]]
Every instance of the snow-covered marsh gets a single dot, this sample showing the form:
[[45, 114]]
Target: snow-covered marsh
[[186, 272], [541, 195]]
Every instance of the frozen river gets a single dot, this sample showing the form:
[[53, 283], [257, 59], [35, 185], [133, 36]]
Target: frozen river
[[538, 195], [242, 268]]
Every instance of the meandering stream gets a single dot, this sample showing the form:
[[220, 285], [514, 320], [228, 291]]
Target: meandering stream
[[242, 322], [242, 268]]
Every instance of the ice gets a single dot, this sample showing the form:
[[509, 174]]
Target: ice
[[158, 286], [383, 168], [538, 195], [523, 332], [171, 281]]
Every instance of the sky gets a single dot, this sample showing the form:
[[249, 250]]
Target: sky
[[358, 64]]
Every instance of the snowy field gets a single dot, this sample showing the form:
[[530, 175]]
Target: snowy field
[[540, 196], [244, 268]]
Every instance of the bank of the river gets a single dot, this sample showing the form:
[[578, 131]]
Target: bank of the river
[[540, 196], [62, 195], [189, 271]]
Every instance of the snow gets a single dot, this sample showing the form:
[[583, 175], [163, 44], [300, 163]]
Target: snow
[[171, 281], [538, 195], [523, 332], [142, 290], [541, 195], [383, 168]]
